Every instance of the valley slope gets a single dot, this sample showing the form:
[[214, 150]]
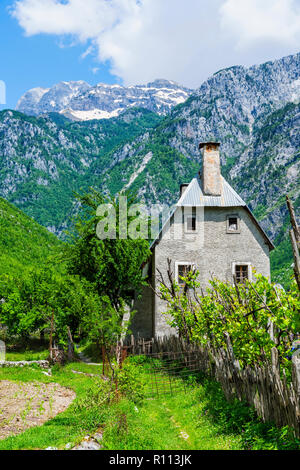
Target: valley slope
[[23, 242], [44, 161], [253, 112]]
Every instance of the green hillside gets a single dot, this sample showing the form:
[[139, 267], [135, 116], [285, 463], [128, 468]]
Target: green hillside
[[252, 112], [44, 160], [23, 242]]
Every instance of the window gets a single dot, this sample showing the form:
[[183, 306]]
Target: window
[[233, 225], [191, 223], [241, 272], [191, 218], [182, 270]]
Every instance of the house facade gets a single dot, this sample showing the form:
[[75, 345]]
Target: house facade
[[211, 229]]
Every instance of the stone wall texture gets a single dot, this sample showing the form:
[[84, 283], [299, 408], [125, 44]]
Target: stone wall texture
[[211, 249]]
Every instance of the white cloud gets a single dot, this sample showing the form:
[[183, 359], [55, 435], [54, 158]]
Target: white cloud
[[184, 40], [256, 20], [83, 18]]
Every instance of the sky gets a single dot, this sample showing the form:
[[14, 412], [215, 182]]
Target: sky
[[131, 42]]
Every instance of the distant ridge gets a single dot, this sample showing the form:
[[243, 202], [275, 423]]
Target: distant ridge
[[82, 102]]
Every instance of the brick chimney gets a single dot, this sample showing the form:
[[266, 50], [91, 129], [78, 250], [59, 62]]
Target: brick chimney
[[211, 171], [183, 188]]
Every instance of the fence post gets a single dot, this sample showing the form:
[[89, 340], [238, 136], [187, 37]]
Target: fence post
[[296, 373], [103, 360]]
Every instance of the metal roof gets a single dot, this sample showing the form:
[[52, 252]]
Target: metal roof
[[194, 197]]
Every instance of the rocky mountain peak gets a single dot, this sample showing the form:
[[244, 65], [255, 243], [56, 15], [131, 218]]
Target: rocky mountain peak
[[80, 101]]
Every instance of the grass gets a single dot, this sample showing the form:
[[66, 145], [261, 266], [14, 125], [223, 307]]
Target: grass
[[90, 350], [85, 368], [31, 349], [68, 427], [196, 418], [171, 423], [27, 355]]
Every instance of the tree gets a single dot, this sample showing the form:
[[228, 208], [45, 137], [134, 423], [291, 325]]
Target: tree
[[103, 327], [112, 265], [27, 301], [31, 300]]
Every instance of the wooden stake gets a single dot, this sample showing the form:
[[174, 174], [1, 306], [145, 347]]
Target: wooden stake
[[70, 345], [103, 360], [295, 240], [296, 257], [293, 221], [51, 336]]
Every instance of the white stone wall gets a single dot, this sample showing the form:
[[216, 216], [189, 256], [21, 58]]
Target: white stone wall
[[142, 323], [213, 251]]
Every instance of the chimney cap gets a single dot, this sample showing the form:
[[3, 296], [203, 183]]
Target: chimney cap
[[203, 144], [183, 187]]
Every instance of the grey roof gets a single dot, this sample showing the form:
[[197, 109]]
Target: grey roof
[[194, 197]]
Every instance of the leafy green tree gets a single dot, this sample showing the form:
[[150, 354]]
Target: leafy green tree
[[26, 302], [30, 301], [112, 265], [101, 324]]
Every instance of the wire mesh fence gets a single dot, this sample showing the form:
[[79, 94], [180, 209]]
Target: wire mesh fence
[[173, 365], [169, 373]]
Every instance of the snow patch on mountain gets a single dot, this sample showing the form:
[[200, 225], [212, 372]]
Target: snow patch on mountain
[[82, 102], [30, 100], [90, 115]]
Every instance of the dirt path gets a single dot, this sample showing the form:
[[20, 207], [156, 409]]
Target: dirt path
[[23, 405], [184, 435]]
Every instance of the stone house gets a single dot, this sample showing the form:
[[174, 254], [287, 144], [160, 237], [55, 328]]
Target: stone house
[[210, 228]]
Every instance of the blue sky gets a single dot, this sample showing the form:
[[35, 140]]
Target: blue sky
[[136, 41], [38, 61]]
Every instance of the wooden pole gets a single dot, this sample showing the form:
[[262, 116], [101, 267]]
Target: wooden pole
[[296, 257], [103, 360], [295, 240], [70, 345], [51, 336], [293, 221]]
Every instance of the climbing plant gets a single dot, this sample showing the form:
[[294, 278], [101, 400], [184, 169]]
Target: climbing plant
[[250, 317]]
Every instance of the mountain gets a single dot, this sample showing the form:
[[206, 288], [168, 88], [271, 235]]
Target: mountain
[[44, 160], [23, 242], [80, 101], [253, 112]]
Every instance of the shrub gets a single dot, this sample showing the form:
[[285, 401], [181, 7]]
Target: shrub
[[131, 382]]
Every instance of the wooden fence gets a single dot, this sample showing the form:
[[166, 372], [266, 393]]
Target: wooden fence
[[265, 388]]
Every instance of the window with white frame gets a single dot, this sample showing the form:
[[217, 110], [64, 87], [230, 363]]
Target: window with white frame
[[242, 272], [182, 270], [233, 224]]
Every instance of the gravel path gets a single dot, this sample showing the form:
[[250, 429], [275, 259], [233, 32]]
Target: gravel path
[[23, 405]]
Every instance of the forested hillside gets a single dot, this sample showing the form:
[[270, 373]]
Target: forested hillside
[[43, 161], [254, 113], [23, 242]]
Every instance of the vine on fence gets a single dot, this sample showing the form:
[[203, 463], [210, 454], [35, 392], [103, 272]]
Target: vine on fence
[[251, 317], [244, 334]]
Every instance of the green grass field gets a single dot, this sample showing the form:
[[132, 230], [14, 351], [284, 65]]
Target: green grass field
[[196, 418]]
